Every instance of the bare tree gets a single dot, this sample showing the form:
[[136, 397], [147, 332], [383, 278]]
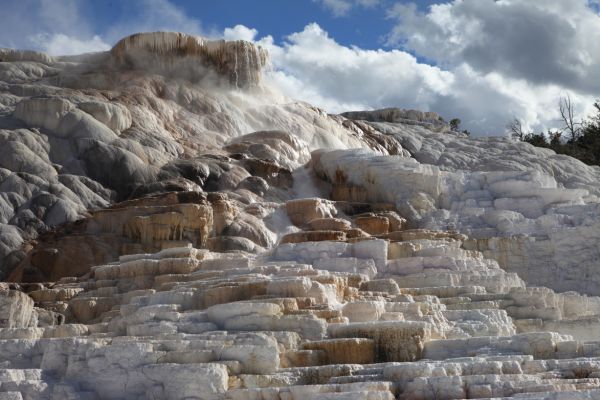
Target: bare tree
[[567, 114], [515, 128]]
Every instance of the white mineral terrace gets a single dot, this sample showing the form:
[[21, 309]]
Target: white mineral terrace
[[412, 317]]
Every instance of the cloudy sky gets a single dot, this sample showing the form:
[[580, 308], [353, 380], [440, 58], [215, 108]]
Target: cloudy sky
[[483, 61]]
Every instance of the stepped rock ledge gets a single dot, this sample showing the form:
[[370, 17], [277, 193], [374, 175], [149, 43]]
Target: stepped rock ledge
[[171, 227]]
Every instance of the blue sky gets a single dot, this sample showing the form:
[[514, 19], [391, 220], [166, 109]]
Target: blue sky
[[365, 27], [483, 61]]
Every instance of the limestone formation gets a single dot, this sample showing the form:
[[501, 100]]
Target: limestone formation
[[241, 62], [16, 309], [173, 228], [286, 323]]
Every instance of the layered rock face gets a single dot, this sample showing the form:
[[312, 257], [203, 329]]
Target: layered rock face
[[404, 314], [533, 211], [172, 228]]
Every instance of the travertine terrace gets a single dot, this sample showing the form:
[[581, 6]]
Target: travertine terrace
[[173, 228]]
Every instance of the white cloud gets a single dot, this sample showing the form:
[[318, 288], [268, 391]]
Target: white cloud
[[340, 8], [240, 32], [545, 42], [349, 75], [312, 66], [337, 7], [35, 24]]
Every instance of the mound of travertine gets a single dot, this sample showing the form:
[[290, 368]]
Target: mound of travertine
[[380, 312]]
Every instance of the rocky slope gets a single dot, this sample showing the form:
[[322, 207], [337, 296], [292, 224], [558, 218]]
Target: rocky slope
[[81, 132], [171, 227]]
